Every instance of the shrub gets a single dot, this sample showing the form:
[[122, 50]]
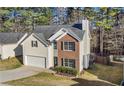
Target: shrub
[[67, 70]]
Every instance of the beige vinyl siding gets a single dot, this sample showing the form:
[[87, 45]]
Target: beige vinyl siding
[[41, 50], [28, 50]]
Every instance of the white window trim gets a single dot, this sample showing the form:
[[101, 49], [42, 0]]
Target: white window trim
[[62, 32], [68, 46], [33, 45], [68, 63]]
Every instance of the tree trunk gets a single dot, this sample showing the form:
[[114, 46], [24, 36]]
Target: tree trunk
[[101, 40]]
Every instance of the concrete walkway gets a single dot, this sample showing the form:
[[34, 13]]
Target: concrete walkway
[[22, 72]]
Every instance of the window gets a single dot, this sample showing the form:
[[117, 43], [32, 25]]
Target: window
[[55, 45], [34, 44], [72, 63], [69, 63], [69, 46], [66, 62]]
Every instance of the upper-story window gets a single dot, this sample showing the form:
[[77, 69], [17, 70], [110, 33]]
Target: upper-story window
[[34, 43], [55, 45], [69, 46]]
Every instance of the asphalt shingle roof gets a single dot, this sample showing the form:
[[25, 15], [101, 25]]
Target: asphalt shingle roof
[[10, 37], [48, 31], [43, 32], [41, 36]]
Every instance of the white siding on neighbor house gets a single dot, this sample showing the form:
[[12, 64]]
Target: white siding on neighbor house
[[11, 50], [41, 50], [0, 51]]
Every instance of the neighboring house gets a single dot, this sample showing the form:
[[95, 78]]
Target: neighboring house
[[9, 46], [50, 46]]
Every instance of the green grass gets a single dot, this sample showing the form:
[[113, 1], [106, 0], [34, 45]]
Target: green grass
[[112, 74], [10, 63], [99, 75], [48, 79]]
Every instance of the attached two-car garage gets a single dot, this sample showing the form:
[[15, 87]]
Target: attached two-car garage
[[36, 61]]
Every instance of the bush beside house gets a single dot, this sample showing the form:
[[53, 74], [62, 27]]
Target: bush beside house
[[66, 70]]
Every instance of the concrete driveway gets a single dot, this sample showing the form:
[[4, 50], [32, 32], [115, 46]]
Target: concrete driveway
[[22, 72]]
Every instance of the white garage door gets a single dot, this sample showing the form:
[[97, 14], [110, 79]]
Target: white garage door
[[36, 61]]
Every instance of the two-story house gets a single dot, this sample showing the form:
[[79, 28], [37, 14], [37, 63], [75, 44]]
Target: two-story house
[[64, 45]]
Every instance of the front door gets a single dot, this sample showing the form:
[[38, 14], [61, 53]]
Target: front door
[[55, 61]]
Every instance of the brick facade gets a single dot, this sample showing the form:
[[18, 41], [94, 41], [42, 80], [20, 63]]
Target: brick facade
[[68, 54]]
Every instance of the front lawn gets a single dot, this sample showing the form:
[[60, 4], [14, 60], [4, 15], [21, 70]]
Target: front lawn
[[10, 63], [111, 74], [48, 79], [99, 75]]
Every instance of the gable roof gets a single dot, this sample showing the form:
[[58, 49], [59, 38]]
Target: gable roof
[[63, 32], [40, 36], [10, 37], [50, 30], [42, 32]]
